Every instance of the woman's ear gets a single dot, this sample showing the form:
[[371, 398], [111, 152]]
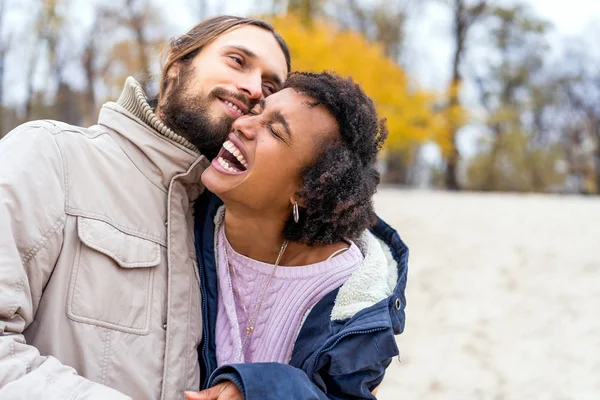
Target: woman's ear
[[295, 199]]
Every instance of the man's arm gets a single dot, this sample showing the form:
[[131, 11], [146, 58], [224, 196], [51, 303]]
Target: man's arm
[[32, 218]]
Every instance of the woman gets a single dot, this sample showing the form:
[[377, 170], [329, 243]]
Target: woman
[[299, 300]]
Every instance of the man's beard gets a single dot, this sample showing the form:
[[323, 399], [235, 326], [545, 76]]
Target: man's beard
[[188, 115]]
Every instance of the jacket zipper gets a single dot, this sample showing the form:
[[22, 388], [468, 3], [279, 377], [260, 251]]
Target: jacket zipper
[[331, 346], [204, 317]]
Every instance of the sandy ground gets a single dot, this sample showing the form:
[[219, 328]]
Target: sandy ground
[[503, 296]]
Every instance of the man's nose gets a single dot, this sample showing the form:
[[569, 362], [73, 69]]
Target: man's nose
[[252, 87]]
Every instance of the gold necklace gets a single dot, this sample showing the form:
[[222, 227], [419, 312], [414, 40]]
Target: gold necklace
[[252, 319]]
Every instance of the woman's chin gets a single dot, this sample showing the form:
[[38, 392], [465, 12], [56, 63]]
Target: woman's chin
[[217, 182]]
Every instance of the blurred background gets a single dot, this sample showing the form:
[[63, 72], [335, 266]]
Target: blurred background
[[493, 109]]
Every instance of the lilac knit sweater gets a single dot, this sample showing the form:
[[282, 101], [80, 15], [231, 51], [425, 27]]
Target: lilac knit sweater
[[292, 293]]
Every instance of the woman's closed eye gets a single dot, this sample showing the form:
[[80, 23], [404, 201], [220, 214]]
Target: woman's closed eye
[[275, 132]]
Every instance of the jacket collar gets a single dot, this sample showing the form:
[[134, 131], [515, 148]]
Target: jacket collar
[[134, 100], [396, 253], [373, 281], [156, 150]]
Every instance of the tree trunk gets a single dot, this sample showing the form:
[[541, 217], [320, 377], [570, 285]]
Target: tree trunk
[[460, 28], [89, 111], [4, 46], [596, 131]]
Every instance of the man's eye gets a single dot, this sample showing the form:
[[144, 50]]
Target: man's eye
[[269, 90], [237, 60]]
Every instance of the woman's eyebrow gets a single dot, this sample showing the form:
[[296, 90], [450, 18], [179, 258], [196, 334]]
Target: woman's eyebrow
[[278, 116]]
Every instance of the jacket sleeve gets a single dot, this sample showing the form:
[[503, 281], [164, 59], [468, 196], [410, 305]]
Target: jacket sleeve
[[281, 381], [32, 218]]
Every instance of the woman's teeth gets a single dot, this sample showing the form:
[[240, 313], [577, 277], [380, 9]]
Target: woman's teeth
[[223, 163], [230, 147]]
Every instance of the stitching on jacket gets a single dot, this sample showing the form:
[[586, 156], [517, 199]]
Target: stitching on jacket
[[152, 262], [189, 335], [169, 337], [162, 189], [97, 322], [105, 357], [150, 292], [72, 280], [42, 242], [13, 354], [78, 212], [63, 159], [81, 388], [18, 288]]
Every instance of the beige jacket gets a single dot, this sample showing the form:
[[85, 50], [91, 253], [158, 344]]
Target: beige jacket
[[99, 287]]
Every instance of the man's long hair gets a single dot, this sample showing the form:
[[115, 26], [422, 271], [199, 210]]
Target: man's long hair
[[186, 46]]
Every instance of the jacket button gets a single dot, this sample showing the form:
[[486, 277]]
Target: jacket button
[[165, 326], [398, 304]]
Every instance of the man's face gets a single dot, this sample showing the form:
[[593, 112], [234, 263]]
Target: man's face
[[221, 83]]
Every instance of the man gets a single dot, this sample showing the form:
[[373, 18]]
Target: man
[[99, 289]]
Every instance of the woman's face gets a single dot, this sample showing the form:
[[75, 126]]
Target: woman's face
[[260, 165]]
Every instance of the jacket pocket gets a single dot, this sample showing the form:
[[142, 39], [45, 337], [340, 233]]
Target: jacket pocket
[[112, 278]]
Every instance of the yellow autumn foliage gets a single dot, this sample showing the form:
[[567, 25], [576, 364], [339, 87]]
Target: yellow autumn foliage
[[409, 110]]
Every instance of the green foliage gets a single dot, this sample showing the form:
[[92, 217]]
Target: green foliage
[[512, 165]]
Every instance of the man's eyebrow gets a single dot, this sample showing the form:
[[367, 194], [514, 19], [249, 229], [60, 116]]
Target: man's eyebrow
[[250, 54]]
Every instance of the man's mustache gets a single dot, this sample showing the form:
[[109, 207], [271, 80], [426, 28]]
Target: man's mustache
[[226, 94]]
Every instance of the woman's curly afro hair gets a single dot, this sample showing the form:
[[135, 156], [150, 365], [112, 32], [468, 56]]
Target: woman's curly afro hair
[[337, 190]]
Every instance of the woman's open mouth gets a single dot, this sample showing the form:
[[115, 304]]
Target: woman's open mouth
[[231, 159]]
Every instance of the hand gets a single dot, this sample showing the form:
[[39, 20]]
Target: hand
[[222, 391]]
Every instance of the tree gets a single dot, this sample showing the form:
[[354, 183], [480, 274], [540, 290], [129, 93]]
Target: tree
[[5, 43], [54, 37], [409, 111], [516, 94], [464, 16], [577, 115], [131, 32]]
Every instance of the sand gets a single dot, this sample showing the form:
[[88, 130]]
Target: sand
[[503, 296]]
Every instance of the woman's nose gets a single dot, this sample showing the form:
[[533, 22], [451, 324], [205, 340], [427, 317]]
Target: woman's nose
[[245, 126]]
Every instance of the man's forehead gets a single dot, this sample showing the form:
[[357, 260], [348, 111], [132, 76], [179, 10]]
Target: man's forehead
[[260, 43]]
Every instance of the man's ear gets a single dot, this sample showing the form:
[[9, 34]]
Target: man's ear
[[173, 72], [171, 77]]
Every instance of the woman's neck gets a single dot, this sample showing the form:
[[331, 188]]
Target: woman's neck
[[261, 238], [257, 237]]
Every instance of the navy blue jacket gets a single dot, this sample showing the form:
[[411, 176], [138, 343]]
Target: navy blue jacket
[[333, 358]]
